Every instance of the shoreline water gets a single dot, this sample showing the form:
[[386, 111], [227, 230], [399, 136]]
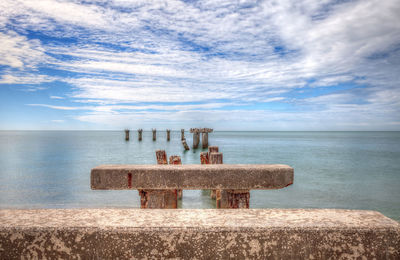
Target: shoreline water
[[349, 170]]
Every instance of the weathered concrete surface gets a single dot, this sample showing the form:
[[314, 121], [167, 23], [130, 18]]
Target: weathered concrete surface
[[201, 234], [196, 176]]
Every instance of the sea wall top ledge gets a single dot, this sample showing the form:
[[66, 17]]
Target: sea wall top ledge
[[221, 176], [206, 219], [203, 234]]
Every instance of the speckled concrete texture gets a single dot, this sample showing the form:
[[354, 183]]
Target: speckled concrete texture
[[221, 176], [198, 234]]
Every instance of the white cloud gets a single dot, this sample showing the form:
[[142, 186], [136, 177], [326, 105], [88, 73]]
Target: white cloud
[[57, 97], [114, 108], [239, 52], [18, 52]]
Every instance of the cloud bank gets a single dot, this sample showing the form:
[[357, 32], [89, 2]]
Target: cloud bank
[[261, 65]]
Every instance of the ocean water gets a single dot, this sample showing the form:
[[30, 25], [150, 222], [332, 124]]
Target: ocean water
[[348, 170]]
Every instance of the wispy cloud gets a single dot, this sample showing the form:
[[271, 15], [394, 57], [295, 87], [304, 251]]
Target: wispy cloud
[[56, 97], [305, 61]]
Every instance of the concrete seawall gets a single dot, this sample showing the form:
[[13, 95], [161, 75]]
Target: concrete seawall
[[194, 233]]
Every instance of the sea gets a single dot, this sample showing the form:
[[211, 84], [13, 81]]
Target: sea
[[344, 170]]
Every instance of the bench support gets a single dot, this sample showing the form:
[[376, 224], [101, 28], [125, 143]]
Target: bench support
[[232, 199], [158, 199], [215, 158], [176, 159], [161, 198]]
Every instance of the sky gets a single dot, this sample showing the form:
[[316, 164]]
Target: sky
[[228, 65]]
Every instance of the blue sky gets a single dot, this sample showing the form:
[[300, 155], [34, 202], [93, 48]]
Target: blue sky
[[229, 65]]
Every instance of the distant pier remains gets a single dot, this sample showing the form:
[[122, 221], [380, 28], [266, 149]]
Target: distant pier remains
[[204, 136]]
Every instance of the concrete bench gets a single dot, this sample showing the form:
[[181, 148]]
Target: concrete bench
[[157, 184], [201, 234]]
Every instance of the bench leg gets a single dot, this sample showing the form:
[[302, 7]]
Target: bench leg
[[158, 199], [233, 199], [213, 194]]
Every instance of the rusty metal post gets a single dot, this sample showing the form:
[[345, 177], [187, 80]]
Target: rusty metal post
[[204, 159], [176, 159], [126, 134], [161, 156], [182, 134], [168, 134], [140, 131], [154, 134], [196, 139]]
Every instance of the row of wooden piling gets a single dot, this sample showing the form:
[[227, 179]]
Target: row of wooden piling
[[204, 136], [140, 134], [196, 136]]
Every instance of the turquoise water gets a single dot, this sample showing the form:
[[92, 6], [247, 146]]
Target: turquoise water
[[351, 170]]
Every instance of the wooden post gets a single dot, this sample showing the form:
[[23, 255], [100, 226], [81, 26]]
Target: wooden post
[[154, 134], [196, 139], [126, 134], [204, 159], [185, 145], [168, 134], [159, 199], [204, 139], [176, 159], [161, 156], [182, 134], [140, 131]]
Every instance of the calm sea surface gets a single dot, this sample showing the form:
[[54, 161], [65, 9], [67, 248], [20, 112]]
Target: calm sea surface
[[351, 170]]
